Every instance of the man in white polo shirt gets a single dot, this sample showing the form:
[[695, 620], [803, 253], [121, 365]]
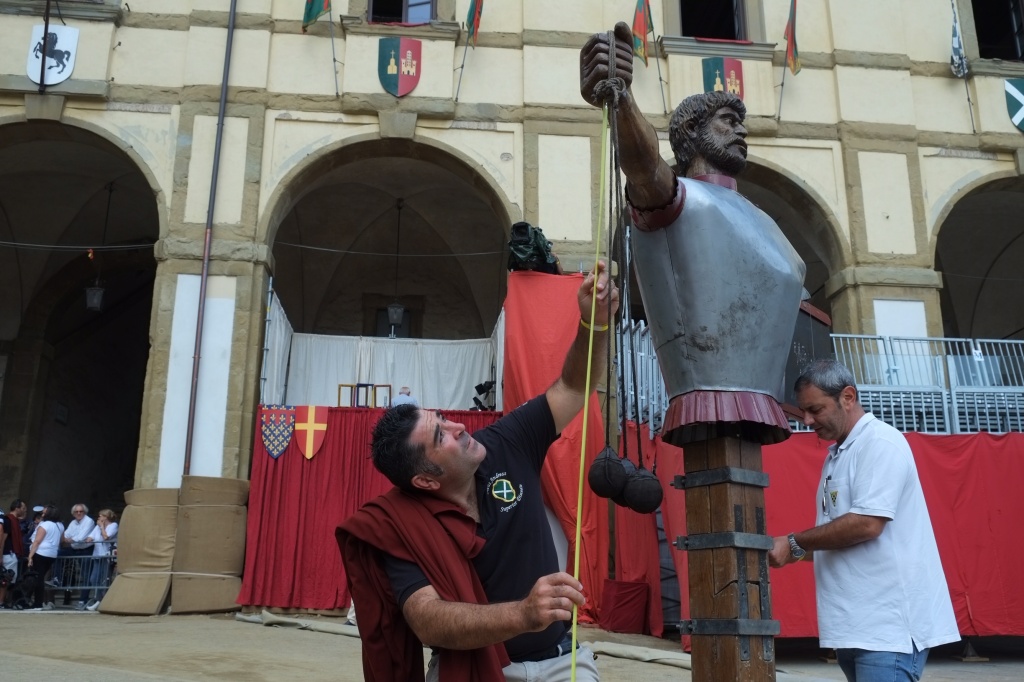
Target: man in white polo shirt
[[881, 593]]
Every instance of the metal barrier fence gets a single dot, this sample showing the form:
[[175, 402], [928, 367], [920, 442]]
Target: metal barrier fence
[[82, 572], [928, 385]]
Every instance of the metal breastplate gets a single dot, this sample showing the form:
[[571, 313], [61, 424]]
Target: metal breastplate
[[722, 287]]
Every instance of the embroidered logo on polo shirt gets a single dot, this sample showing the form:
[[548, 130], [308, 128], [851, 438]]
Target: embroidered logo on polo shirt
[[833, 494], [503, 490]]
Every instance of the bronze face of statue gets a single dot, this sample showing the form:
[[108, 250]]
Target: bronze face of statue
[[706, 131], [721, 284]]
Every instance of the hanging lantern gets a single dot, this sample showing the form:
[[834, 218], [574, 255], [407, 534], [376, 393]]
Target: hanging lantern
[[94, 297], [396, 312]]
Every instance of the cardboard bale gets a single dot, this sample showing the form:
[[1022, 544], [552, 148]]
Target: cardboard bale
[[211, 490], [137, 594], [149, 497], [211, 539], [192, 593], [145, 539]]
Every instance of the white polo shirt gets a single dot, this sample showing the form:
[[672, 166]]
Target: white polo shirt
[[890, 592]]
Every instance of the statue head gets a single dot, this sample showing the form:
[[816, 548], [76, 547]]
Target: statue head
[[692, 135]]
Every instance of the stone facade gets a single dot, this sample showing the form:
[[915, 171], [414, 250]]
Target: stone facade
[[863, 157]]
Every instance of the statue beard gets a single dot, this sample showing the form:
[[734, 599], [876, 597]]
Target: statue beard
[[710, 147]]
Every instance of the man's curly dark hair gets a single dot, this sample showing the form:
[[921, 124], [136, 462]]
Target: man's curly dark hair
[[702, 108], [393, 454]]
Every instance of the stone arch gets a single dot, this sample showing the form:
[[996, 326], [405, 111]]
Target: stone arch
[[82, 369], [977, 247], [455, 223]]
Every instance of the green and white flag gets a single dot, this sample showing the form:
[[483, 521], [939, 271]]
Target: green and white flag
[[1015, 101]]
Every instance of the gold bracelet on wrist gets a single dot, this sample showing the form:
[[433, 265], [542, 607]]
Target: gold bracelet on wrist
[[596, 327]]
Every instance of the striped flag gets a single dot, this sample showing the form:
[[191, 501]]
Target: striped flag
[[792, 54], [314, 10], [476, 8], [642, 25], [958, 62]]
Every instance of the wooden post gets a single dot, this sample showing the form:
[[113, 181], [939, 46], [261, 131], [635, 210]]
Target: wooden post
[[727, 582]]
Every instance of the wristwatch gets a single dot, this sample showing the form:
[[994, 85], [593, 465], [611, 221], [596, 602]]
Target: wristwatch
[[796, 550]]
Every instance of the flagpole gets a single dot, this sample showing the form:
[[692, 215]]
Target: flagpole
[[970, 107], [661, 82], [782, 91], [462, 68], [334, 56]]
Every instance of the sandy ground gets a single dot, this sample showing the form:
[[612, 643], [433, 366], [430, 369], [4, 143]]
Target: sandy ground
[[87, 647]]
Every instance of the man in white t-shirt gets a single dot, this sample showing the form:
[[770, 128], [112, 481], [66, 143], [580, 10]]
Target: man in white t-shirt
[[881, 593]]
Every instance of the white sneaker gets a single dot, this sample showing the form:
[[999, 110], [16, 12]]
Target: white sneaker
[[92, 605], [80, 606], [48, 606]]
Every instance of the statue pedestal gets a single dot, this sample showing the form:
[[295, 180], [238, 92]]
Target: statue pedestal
[[730, 603]]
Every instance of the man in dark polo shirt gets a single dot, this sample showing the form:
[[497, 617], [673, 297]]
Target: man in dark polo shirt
[[459, 555]]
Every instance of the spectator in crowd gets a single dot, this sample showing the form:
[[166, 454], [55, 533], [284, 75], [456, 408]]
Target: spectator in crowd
[[102, 539], [73, 544], [29, 526], [43, 552], [11, 546], [404, 397]]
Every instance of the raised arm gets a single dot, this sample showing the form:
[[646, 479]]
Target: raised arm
[[650, 181], [566, 396]]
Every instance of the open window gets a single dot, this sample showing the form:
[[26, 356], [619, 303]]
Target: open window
[[402, 11], [741, 20], [722, 19], [999, 25]]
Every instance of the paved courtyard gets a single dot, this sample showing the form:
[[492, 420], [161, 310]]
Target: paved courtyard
[[93, 647]]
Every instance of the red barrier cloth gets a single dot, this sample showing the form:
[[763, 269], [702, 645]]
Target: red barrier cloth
[[624, 606], [636, 540], [971, 484], [295, 505], [541, 320]]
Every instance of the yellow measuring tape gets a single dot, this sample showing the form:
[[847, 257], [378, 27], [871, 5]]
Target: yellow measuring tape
[[586, 394]]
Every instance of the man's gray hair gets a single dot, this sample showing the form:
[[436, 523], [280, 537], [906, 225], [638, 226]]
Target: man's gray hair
[[85, 509], [828, 375]]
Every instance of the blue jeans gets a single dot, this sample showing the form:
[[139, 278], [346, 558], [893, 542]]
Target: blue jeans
[[861, 665]]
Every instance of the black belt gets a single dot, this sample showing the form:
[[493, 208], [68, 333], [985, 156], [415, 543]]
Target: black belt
[[563, 647]]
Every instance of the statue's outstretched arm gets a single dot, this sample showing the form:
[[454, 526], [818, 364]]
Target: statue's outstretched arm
[[650, 181]]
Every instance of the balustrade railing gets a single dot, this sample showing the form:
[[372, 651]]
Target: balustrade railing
[[930, 385]]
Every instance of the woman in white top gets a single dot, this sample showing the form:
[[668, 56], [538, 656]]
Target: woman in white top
[[43, 551], [102, 538]]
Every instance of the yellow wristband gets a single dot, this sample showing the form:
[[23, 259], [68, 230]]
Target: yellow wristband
[[596, 327]]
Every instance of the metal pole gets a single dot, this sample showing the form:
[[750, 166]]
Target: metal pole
[[782, 90], [661, 83], [207, 243], [42, 56], [334, 57], [462, 68], [266, 341]]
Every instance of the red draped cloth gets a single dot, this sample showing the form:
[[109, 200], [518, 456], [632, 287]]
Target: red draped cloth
[[295, 505], [972, 486], [541, 320]]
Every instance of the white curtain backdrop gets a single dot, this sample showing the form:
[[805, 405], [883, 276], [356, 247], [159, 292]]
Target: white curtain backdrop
[[498, 339], [441, 374], [278, 346]]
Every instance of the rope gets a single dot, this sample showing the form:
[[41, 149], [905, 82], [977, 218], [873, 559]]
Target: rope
[[608, 90]]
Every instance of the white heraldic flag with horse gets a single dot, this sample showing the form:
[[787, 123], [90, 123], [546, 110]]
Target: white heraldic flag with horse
[[58, 51]]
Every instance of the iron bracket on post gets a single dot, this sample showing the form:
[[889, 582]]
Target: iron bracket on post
[[698, 479], [730, 626], [718, 540]]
